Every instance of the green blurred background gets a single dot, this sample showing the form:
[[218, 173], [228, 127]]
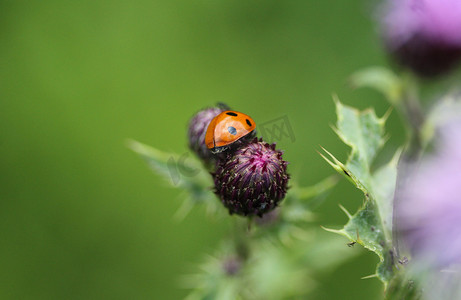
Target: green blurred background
[[81, 216]]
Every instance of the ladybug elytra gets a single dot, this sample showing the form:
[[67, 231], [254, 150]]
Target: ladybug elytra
[[227, 128]]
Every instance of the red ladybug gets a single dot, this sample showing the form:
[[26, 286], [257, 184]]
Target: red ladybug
[[227, 128]]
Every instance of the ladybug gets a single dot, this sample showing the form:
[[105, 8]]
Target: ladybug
[[227, 129]]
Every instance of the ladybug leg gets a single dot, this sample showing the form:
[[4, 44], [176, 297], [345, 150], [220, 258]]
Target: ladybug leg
[[217, 150]]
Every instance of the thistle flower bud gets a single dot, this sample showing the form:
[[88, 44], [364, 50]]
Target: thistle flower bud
[[252, 180], [423, 35], [197, 130]]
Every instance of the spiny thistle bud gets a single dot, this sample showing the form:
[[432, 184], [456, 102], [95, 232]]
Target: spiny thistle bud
[[423, 35], [252, 180], [197, 130]]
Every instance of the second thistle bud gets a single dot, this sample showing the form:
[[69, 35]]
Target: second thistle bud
[[197, 130], [252, 180]]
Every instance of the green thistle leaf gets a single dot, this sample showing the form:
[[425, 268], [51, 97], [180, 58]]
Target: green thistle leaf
[[288, 222], [183, 172], [371, 225], [381, 79]]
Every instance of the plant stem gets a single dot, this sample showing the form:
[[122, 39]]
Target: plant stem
[[413, 117], [241, 239]]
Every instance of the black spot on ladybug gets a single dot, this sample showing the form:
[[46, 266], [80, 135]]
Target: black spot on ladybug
[[232, 130], [231, 114], [248, 122]]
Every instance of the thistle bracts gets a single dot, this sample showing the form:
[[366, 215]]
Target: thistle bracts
[[252, 180]]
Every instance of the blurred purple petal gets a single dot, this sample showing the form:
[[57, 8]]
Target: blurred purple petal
[[429, 211], [424, 35]]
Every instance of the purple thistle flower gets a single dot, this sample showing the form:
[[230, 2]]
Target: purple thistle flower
[[424, 35], [197, 130], [429, 209], [252, 180]]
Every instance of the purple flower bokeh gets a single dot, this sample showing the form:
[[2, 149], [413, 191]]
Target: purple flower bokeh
[[429, 209], [424, 35]]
